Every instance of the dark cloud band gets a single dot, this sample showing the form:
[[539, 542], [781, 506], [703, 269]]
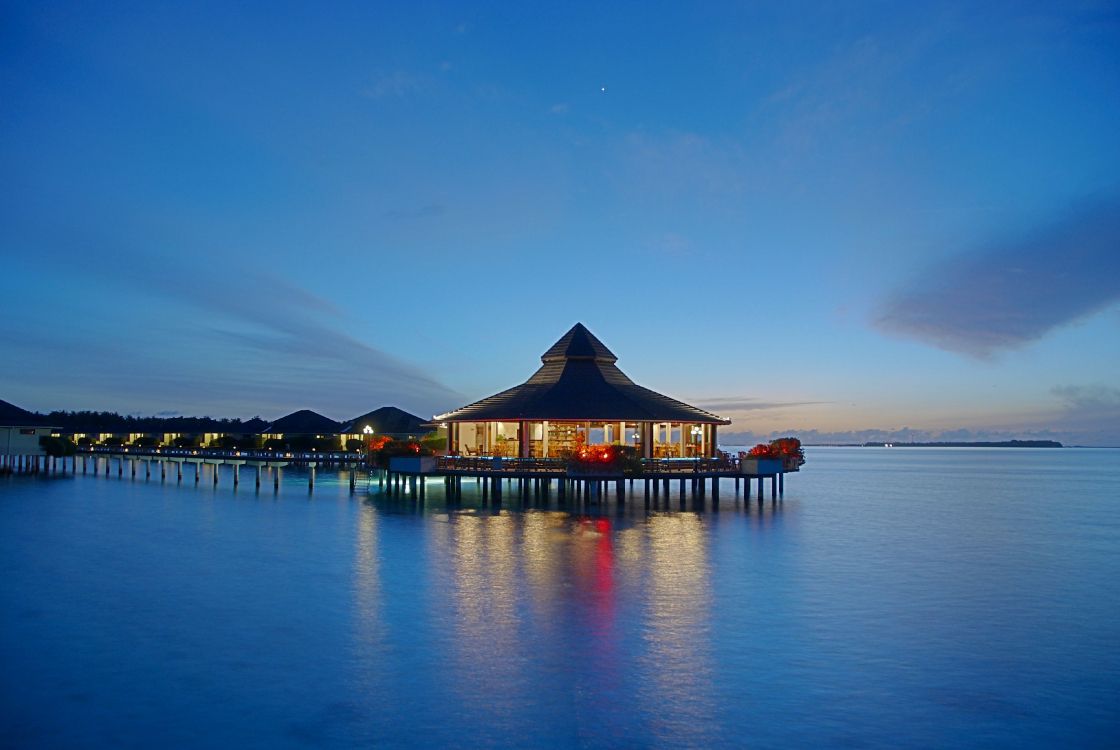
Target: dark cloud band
[[1006, 295]]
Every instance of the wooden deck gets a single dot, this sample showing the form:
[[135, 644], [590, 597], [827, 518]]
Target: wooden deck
[[651, 468]]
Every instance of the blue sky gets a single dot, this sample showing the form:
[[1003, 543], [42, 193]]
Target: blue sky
[[828, 219]]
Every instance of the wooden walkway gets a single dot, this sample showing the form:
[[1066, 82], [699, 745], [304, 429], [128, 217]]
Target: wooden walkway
[[540, 477]]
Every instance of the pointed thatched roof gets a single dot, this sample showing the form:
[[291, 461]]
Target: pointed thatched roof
[[579, 381], [302, 422], [13, 416], [388, 420]]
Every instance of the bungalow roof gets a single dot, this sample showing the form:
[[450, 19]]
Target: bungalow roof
[[388, 420], [578, 380], [302, 422]]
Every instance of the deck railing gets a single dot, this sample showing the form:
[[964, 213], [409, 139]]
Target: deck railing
[[226, 453], [560, 466]]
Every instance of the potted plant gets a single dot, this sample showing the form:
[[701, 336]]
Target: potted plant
[[779, 456]]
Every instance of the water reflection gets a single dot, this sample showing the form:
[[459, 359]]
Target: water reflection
[[902, 610], [367, 579], [676, 626], [612, 607]]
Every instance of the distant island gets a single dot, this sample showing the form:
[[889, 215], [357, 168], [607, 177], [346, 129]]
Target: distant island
[[977, 444]]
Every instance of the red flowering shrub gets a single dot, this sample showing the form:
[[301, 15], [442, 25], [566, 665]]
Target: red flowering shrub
[[609, 459], [377, 443], [381, 449], [787, 449]]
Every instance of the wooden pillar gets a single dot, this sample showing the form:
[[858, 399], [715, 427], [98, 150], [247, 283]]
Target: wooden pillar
[[760, 492], [276, 478], [236, 474], [258, 476], [774, 487], [782, 485]]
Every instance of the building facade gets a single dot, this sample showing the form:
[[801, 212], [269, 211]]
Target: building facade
[[577, 398]]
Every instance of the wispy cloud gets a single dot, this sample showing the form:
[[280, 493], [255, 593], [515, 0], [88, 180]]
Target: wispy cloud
[[684, 164], [430, 211], [396, 83], [241, 341], [1090, 412], [1005, 295], [674, 245], [1096, 399], [749, 404], [299, 332]]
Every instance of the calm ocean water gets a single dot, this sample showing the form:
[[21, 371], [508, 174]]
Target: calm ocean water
[[895, 598]]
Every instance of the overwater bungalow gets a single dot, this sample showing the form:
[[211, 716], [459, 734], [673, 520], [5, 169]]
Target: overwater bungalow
[[388, 421], [300, 429], [579, 397], [20, 432]]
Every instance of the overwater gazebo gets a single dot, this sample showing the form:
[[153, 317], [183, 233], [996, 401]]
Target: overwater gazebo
[[577, 398]]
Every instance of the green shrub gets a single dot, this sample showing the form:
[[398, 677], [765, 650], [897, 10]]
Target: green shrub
[[57, 446]]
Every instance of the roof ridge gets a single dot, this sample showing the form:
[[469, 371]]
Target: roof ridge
[[578, 343]]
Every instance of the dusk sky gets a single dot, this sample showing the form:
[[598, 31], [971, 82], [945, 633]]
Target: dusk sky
[[836, 220]]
